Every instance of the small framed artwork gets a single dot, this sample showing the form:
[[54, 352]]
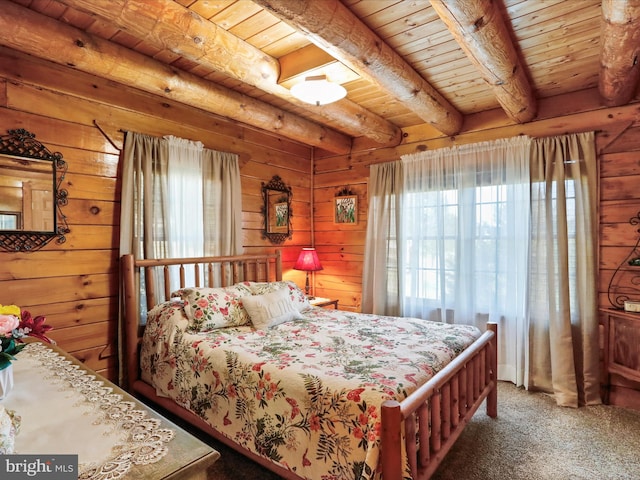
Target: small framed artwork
[[282, 214], [279, 221], [346, 209]]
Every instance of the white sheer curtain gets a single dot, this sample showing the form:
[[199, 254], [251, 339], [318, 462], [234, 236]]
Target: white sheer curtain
[[183, 206], [463, 240], [454, 236]]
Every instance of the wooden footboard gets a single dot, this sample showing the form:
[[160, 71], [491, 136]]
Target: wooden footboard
[[426, 423], [429, 421]]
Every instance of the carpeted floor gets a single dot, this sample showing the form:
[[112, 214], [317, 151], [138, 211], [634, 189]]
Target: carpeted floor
[[532, 439]]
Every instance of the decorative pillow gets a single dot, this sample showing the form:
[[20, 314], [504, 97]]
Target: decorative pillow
[[270, 309], [211, 308], [296, 295]]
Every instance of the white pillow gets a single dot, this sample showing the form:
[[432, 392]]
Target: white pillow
[[270, 309], [296, 295]]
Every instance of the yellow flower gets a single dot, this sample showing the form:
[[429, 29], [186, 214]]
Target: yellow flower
[[10, 310]]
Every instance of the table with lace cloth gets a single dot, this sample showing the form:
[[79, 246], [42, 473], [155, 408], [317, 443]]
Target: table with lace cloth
[[66, 408]]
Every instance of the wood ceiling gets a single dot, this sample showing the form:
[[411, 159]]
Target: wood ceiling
[[403, 63]]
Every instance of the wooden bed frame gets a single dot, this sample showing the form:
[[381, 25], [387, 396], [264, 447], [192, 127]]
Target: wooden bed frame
[[432, 418]]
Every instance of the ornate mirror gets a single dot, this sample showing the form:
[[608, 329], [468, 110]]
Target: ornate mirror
[[276, 210], [30, 194]]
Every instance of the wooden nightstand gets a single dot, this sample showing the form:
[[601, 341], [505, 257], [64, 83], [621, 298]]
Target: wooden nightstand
[[622, 357], [69, 409], [323, 302]]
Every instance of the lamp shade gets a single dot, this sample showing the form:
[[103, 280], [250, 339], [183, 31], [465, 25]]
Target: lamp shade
[[318, 91], [308, 261]]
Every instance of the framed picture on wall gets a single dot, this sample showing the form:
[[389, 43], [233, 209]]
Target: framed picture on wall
[[346, 209], [279, 223]]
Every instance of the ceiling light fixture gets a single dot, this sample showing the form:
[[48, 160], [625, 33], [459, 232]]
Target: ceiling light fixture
[[318, 90]]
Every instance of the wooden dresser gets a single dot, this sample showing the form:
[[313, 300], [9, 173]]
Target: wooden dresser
[[622, 357], [66, 408]]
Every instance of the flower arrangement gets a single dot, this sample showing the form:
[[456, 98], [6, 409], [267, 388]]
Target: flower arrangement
[[14, 326]]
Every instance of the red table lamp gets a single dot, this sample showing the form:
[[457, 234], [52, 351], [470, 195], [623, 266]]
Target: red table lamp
[[308, 262]]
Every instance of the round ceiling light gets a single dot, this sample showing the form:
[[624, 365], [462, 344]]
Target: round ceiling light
[[318, 91]]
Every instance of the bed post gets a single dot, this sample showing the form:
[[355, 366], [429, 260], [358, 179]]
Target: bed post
[[492, 399], [130, 330], [391, 440], [278, 265]]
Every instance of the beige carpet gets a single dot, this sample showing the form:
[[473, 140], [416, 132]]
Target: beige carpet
[[532, 439]]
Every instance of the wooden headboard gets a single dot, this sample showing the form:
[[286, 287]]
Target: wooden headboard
[[209, 271]]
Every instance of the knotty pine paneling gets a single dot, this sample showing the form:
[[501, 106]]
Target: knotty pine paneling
[[75, 284], [616, 211], [620, 164], [341, 246]]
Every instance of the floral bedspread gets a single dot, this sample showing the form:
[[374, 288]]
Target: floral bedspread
[[305, 394]]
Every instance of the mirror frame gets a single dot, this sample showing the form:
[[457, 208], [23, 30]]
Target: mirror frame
[[276, 187], [20, 143]]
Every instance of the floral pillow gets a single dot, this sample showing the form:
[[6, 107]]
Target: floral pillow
[[211, 308], [296, 295], [271, 309]]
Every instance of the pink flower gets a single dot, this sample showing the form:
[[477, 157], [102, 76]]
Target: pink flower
[[8, 323], [354, 395], [314, 423]]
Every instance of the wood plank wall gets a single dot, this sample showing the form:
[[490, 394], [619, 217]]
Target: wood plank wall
[[75, 285], [619, 203]]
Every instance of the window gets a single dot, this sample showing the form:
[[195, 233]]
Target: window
[[465, 242]]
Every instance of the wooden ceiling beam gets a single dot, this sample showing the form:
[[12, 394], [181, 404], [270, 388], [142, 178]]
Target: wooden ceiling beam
[[334, 28], [35, 34], [481, 31], [170, 26], [619, 51]]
